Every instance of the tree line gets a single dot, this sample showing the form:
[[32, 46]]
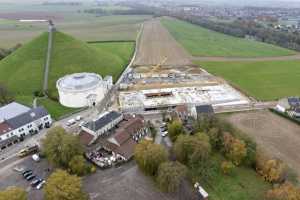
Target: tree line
[[214, 147], [243, 28]]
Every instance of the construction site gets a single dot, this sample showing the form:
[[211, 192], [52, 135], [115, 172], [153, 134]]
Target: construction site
[[162, 77]]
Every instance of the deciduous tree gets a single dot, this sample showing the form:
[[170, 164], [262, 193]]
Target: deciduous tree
[[286, 191], [13, 193], [61, 185], [175, 129], [227, 167], [149, 156], [78, 165], [60, 147], [170, 175]]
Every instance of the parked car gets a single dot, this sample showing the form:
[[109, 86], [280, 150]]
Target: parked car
[[28, 178], [36, 157], [71, 122], [35, 182], [164, 133], [40, 185], [26, 171], [163, 129], [78, 118], [27, 174], [28, 150]]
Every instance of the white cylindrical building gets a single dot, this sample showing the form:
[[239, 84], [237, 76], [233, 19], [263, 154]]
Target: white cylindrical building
[[81, 89]]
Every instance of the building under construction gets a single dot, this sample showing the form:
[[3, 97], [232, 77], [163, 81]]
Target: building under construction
[[168, 98]]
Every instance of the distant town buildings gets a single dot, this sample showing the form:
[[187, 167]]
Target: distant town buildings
[[82, 89], [18, 121]]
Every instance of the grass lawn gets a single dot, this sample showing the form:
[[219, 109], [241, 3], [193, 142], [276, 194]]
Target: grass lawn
[[243, 184], [203, 42], [22, 72], [264, 80]]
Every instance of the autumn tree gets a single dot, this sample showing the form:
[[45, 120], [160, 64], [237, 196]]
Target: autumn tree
[[192, 149], [60, 147], [170, 175], [78, 165], [13, 193], [227, 167], [273, 170], [149, 156], [235, 149], [175, 129], [286, 191], [61, 185]]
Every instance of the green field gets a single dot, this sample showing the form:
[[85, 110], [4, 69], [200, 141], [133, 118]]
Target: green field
[[203, 42], [22, 71], [264, 80], [243, 184]]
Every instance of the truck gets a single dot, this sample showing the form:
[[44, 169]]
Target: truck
[[28, 150]]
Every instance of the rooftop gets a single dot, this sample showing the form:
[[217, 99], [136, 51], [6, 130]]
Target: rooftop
[[12, 110], [27, 117], [79, 81], [102, 121]]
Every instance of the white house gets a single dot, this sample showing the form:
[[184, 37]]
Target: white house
[[101, 125], [28, 123]]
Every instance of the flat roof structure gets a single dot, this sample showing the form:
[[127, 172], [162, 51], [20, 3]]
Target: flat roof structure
[[215, 95], [79, 81], [12, 110]]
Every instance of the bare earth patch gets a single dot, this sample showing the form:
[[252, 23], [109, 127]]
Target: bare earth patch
[[157, 44], [278, 136]]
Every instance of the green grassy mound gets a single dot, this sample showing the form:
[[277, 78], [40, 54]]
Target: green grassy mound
[[22, 72], [203, 42], [265, 80]]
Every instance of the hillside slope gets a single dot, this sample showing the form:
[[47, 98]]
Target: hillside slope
[[203, 42], [22, 71]]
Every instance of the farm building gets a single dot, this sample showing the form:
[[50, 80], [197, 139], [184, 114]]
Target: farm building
[[21, 123], [82, 89]]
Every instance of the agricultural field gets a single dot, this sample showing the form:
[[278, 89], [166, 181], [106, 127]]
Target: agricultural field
[[203, 42], [84, 26], [22, 72], [157, 46], [270, 130], [264, 80]]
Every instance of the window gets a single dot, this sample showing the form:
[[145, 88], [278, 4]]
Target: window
[[46, 118]]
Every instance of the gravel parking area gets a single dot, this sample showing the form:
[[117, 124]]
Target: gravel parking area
[[123, 183], [9, 177]]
